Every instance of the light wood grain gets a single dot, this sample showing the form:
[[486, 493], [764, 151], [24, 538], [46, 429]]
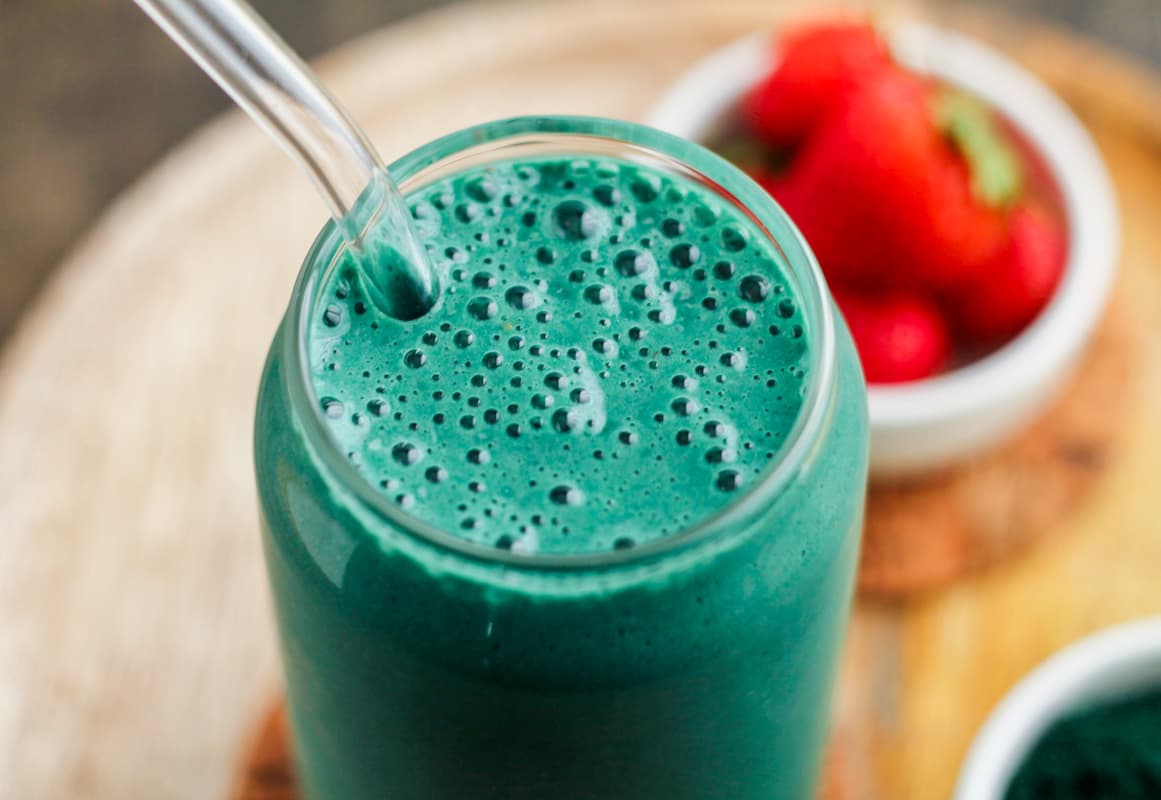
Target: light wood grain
[[135, 641]]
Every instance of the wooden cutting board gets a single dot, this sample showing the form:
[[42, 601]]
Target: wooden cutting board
[[136, 650]]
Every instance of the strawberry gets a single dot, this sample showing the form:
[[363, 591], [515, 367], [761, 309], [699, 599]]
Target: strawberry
[[1019, 279], [818, 65], [768, 180], [900, 336], [882, 183]]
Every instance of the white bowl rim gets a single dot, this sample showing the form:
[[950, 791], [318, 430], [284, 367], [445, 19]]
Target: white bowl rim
[[1102, 666], [1045, 348]]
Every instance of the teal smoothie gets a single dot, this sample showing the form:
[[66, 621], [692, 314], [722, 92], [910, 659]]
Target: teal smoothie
[[587, 529]]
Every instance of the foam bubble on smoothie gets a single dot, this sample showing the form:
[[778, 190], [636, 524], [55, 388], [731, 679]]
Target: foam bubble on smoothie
[[616, 355]]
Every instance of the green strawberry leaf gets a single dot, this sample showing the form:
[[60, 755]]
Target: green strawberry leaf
[[997, 175]]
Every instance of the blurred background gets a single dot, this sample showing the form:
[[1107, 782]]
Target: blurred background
[[139, 485], [94, 94]]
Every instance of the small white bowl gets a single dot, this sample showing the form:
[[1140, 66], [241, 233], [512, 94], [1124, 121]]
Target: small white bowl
[[933, 422], [1104, 667]]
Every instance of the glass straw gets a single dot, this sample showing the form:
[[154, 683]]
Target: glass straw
[[256, 68]]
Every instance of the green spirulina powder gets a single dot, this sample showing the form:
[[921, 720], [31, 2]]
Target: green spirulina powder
[[1110, 752]]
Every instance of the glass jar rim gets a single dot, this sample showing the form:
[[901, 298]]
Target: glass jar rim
[[733, 186]]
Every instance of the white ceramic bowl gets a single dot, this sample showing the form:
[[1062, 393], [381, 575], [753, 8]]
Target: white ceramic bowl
[[934, 422], [1108, 665]]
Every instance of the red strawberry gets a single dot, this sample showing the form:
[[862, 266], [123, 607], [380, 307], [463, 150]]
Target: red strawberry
[[885, 198], [900, 336], [768, 180], [818, 65], [1020, 278]]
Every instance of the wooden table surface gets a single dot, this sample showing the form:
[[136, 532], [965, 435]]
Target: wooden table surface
[[135, 638]]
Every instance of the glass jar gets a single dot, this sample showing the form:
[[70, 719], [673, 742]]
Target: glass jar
[[421, 666]]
